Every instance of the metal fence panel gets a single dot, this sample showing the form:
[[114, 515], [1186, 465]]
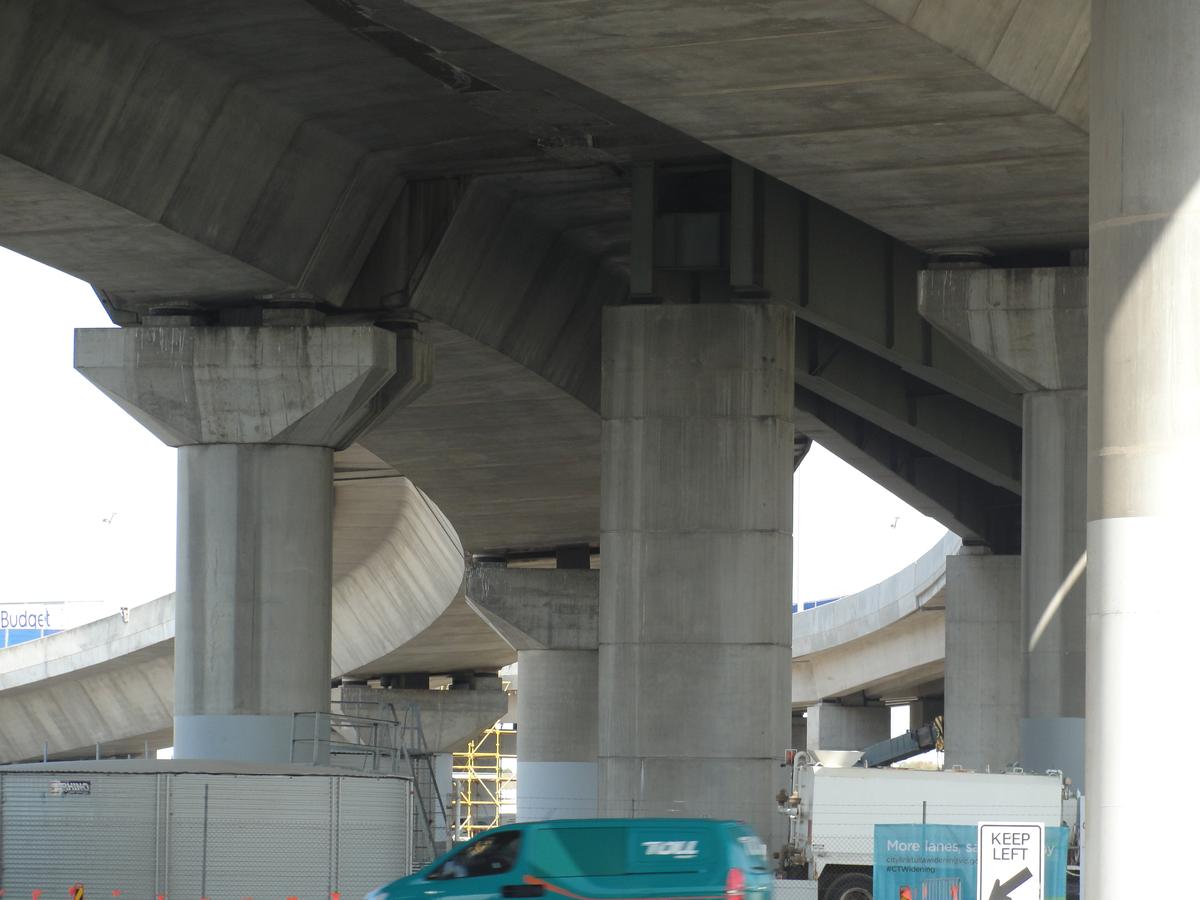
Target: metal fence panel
[[374, 833], [220, 836], [234, 836], [95, 829]]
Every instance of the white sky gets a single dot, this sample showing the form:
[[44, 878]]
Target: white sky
[[72, 459]]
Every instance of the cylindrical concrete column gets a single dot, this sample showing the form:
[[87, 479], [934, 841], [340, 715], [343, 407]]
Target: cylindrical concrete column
[[696, 506], [253, 598], [1054, 535], [1143, 429], [257, 412], [556, 734]]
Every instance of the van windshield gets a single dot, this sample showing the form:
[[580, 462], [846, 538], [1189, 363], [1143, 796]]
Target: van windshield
[[575, 852]]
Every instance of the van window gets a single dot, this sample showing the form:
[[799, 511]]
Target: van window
[[493, 854], [573, 852], [754, 851], [670, 848]]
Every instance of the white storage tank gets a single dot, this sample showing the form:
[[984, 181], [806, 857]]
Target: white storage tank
[[221, 831]]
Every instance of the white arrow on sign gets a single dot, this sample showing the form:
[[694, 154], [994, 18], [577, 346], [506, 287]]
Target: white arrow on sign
[[1011, 860]]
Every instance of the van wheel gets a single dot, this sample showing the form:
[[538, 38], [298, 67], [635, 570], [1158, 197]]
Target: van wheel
[[854, 886]]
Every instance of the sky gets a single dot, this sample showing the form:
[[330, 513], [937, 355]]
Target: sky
[[87, 504]]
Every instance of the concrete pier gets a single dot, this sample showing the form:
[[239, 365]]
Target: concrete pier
[[833, 726], [1032, 325], [549, 617], [253, 597], [1054, 517], [256, 413], [983, 661], [1143, 428], [696, 542]]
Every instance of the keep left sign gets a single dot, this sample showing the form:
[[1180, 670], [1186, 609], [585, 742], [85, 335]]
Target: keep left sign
[[1011, 860]]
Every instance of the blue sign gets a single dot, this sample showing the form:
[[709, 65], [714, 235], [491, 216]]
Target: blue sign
[[937, 862]]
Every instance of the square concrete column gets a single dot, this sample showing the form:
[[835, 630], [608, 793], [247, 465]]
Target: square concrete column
[[257, 413], [984, 661], [1054, 531], [695, 636]]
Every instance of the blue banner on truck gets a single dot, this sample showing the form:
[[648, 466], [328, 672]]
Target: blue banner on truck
[[937, 862]]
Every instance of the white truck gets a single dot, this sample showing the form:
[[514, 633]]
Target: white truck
[[833, 811]]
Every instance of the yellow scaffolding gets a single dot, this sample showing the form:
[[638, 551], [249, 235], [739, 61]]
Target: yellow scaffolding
[[485, 781]]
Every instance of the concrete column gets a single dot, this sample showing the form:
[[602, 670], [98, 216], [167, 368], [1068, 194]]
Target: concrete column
[[696, 546], [549, 617], [1032, 325], [983, 661], [556, 734], [252, 596], [1143, 429], [1054, 534], [257, 413], [832, 726]]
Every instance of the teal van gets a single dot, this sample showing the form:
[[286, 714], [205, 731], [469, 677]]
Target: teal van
[[597, 859]]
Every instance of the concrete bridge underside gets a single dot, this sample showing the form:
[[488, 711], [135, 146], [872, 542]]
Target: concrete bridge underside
[[498, 181]]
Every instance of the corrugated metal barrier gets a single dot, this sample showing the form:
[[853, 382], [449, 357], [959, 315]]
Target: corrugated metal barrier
[[191, 835]]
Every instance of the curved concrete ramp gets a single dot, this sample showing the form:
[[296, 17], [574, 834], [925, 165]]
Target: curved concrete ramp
[[107, 681], [398, 567], [886, 638]]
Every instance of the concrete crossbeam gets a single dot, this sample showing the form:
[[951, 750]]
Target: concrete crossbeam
[[537, 609], [834, 726], [1032, 324], [448, 718], [305, 386]]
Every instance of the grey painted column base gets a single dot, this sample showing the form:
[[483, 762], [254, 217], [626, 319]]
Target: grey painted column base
[[557, 702], [246, 738], [1056, 743], [555, 790]]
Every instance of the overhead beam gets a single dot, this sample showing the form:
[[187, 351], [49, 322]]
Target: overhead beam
[[856, 282], [979, 512], [881, 392]]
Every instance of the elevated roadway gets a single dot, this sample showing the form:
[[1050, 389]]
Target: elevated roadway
[[397, 607]]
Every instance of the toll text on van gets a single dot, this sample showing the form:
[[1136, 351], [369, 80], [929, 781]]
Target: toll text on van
[[677, 849]]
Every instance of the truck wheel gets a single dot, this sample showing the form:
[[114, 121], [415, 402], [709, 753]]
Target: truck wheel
[[853, 886]]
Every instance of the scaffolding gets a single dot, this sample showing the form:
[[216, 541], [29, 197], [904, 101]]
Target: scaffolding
[[485, 781]]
